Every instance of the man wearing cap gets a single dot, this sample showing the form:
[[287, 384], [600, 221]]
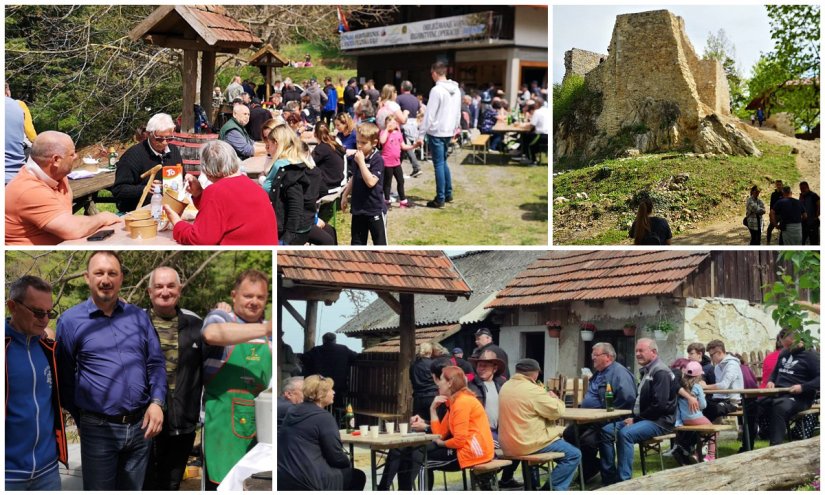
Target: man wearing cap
[[458, 353], [654, 413], [351, 96], [486, 384], [526, 423], [620, 379], [484, 342]]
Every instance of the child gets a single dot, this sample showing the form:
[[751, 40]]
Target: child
[[691, 376], [368, 207], [392, 142]]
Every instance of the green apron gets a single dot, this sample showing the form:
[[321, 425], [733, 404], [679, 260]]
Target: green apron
[[229, 425]]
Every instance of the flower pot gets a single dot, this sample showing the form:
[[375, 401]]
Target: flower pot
[[659, 335], [629, 331], [587, 335], [554, 333]]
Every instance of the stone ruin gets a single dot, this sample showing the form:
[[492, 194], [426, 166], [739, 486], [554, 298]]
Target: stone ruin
[[655, 91]]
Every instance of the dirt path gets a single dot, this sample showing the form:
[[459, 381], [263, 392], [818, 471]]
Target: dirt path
[[729, 230]]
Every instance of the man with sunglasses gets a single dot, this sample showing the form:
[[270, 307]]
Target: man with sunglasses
[[140, 158], [32, 400]]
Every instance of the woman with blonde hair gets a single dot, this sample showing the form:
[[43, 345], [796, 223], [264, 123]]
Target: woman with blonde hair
[[345, 127], [388, 106], [424, 389], [310, 453]]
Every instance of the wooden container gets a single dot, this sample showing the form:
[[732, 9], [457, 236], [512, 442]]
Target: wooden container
[[173, 202], [136, 216], [144, 229]]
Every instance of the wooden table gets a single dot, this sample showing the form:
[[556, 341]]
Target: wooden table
[[749, 392], [121, 237], [580, 415], [522, 127], [84, 191], [384, 443]]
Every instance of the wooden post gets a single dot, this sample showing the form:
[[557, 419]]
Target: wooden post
[[188, 76], [407, 328], [207, 82], [312, 323], [279, 322]]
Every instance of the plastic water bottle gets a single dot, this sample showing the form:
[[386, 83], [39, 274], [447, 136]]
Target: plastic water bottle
[[157, 203]]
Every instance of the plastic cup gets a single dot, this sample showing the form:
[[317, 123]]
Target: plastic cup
[[404, 428], [374, 430], [365, 429], [390, 426]]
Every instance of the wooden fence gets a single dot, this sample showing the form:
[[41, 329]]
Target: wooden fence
[[373, 384]]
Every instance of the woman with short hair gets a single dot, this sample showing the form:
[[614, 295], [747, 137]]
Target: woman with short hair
[[310, 453]]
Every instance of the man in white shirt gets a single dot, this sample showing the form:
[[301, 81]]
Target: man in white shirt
[[536, 142]]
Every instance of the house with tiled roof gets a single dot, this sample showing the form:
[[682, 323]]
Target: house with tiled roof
[[700, 295]]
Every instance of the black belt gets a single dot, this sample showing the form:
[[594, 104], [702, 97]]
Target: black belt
[[121, 419]]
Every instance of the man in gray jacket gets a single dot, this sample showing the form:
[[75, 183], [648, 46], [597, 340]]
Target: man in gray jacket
[[317, 98]]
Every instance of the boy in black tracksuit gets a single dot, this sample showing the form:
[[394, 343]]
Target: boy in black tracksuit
[[369, 211], [798, 369]]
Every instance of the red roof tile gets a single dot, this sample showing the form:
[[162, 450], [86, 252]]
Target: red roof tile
[[563, 276], [422, 272]]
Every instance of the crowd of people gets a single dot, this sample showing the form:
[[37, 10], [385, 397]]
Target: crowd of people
[[796, 219], [134, 380], [477, 406]]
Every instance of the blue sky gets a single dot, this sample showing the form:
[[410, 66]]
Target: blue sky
[[590, 27]]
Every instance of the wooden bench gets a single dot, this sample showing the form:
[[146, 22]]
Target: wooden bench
[[653, 445], [706, 433], [528, 460], [478, 147], [493, 466]]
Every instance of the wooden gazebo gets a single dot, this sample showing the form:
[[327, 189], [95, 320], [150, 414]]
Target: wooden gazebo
[[267, 58], [314, 276], [195, 28]]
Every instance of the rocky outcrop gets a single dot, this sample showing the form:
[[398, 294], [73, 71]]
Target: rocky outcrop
[[656, 95]]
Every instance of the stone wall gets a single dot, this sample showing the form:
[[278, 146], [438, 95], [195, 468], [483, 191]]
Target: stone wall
[[580, 62]]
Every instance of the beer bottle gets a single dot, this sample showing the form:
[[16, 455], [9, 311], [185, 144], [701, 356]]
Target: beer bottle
[[349, 419], [112, 158], [608, 398]]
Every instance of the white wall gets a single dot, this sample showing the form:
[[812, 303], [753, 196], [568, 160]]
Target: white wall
[[532, 26]]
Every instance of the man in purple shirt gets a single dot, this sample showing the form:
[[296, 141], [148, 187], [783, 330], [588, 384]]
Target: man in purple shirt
[[112, 376]]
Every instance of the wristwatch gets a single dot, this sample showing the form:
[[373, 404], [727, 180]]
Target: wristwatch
[[161, 403]]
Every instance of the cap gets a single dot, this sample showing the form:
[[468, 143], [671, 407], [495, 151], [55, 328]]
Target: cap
[[458, 350], [484, 331], [693, 369], [527, 365]]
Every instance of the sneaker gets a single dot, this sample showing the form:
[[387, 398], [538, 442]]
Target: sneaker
[[448, 199], [682, 458], [435, 204], [511, 484], [404, 204], [416, 173]]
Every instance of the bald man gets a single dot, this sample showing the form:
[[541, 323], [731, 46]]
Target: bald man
[[39, 198], [234, 133]]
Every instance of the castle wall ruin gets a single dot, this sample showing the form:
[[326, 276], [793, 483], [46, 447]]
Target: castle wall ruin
[[580, 62]]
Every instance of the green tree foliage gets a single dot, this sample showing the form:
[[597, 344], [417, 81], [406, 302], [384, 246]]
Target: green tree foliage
[[786, 294], [719, 47], [207, 276], [787, 78]]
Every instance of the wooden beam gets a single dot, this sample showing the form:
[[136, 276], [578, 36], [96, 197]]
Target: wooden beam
[[295, 314], [198, 44], [155, 17], [311, 327], [189, 78], [207, 81], [407, 330], [391, 301], [309, 293], [279, 323]]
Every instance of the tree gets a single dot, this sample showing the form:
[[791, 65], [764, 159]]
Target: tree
[[785, 295], [718, 47]]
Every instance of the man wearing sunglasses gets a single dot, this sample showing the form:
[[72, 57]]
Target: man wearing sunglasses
[[140, 158], [32, 401]]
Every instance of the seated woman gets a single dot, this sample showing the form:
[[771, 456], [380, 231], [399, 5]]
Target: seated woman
[[489, 119], [346, 131], [329, 158], [648, 230], [310, 453], [233, 210]]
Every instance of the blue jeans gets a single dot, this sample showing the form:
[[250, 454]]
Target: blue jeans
[[114, 456], [626, 439], [443, 181], [565, 467], [48, 482]]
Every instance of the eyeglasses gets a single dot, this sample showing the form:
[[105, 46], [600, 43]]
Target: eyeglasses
[[162, 139], [594, 356], [39, 313]]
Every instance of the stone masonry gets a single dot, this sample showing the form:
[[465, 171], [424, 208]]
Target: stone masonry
[[580, 62]]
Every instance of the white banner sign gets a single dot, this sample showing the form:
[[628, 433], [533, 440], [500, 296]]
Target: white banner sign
[[446, 28]]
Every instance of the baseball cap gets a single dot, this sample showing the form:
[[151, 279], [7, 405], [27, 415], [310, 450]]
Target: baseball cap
[[484, 331], [458, 350], [693, 369]]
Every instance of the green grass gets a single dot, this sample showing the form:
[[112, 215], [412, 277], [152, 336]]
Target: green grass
[[612, 185]]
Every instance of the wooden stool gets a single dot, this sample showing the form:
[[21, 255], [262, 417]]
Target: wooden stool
[[653, 445], [534, 460]]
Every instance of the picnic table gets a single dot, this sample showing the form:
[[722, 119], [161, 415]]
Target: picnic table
[[519, 127], [580, 415], [749, 392], [121, 235], [384, 443], [84, 191]]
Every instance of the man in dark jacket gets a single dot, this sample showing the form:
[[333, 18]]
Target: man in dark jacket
[[351, 96], [179, 332], [776, 195], [140, 158], [654, 413], [290, 92], [621, 382], [331, 360], [484, 342], [798, 369], [292, 394]]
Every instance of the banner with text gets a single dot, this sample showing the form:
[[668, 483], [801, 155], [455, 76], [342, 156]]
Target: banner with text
[[446, 28]]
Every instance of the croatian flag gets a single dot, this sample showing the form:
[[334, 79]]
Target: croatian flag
[[343, 25]]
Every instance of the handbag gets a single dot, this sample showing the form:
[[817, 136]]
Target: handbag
[[745, 221]]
